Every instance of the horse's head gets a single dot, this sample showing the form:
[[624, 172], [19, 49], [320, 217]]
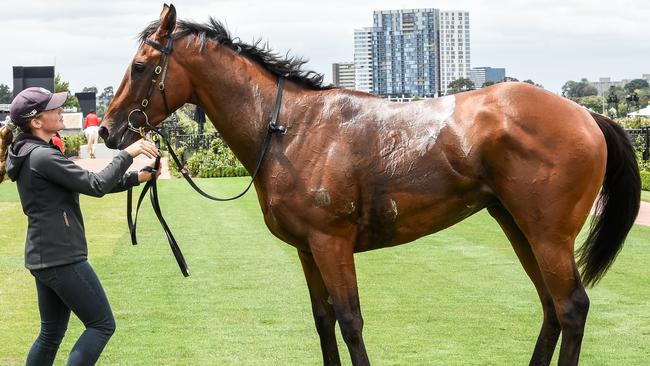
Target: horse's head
[[154, 85]]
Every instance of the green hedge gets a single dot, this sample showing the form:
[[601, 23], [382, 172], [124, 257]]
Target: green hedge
[[645, 181], [72, 143], [217, 161]]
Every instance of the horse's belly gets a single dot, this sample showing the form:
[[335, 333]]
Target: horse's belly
[[402, 218]]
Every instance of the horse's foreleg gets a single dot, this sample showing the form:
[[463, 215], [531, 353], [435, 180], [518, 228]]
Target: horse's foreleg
[[334, 257], [323, 311], [550, 332]]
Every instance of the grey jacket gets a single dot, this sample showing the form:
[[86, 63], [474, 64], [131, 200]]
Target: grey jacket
[[49, 185]]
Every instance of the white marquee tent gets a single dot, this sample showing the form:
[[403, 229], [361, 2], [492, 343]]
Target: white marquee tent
[[644, 112]]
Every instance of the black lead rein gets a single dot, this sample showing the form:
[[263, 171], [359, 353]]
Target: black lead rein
[[132, 222]]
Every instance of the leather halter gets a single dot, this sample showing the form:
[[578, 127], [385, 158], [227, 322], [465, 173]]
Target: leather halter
[[161, 70]]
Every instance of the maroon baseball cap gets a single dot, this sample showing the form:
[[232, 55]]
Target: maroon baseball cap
[[32, 101]]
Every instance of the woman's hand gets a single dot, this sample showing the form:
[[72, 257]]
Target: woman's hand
[[145, 173], [142, 146]]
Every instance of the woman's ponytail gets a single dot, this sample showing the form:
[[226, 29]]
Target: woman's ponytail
[[6, 137]]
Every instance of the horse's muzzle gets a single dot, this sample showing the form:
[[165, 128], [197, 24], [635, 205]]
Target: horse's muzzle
[[103, 132]]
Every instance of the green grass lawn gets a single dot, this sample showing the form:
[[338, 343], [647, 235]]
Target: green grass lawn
[[458, 297]]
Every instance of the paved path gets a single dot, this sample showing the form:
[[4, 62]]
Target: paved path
[[644, 214], [95, 165]]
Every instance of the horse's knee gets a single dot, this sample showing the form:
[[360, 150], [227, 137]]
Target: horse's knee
[[351, 328], [573, 312], [324, 323]]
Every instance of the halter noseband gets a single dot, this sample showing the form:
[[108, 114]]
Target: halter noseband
[[159, 72]]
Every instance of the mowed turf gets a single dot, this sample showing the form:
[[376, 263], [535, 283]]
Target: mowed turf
[[458, 297]]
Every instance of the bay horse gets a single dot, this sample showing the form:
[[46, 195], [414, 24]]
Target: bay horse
[[354, 172]]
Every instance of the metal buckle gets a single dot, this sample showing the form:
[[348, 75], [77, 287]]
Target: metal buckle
[[145, 103], [158, 70], [132, 127]]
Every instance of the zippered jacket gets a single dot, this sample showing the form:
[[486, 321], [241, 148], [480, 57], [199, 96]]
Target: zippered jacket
[[49, 185]]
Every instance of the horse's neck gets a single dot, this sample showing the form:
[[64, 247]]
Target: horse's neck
[[239, 103]]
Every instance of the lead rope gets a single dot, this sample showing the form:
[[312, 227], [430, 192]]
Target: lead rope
[[155, 203], [176, 250]]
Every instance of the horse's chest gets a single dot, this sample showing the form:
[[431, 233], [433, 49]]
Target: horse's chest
[[295, 212]]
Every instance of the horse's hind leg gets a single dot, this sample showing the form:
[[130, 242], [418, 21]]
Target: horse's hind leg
[[561, 276], [551, 228], [550, 332], [334, 256], [324, 315]]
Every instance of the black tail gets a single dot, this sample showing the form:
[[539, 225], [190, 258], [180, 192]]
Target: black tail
[[617, 207]]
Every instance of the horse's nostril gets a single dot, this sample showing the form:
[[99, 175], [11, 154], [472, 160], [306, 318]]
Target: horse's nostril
[[103, 132]]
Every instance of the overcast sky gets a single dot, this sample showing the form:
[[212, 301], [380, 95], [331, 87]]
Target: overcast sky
[[548, 41]]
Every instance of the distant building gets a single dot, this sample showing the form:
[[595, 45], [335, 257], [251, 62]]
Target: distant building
[[405, 52], [418, 52], [454, 47], [363, 59], [480, 75], [603, 84], [343, 74]]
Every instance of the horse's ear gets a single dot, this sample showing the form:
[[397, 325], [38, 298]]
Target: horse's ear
[[167, 22]]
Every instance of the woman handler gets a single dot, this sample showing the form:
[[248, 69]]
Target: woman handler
[[55, 248]]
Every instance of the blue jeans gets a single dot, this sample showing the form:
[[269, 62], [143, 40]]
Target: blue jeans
[[73, 287]]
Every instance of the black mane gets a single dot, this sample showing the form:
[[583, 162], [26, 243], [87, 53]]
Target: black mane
[[287, 67]]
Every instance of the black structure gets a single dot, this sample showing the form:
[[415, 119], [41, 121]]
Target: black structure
[[641, 141], [199, 117], [29, 76], [87, 102]]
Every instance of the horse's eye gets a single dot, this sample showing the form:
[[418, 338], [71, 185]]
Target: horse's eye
[[138, 67]]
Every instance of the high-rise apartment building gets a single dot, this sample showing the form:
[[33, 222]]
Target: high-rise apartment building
[[405, 52], [480, 75], [454, 47], [343, 74], [412, 52], [363, 59]]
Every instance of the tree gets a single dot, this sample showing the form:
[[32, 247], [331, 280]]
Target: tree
[[106, 96], [574, 90], [613, 96], [64, 86], [89, 89], [636, 84], [510, 78], [459, 85], [488, 83], [103, 100], [528, 81], [6, 96], [592, 102]]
